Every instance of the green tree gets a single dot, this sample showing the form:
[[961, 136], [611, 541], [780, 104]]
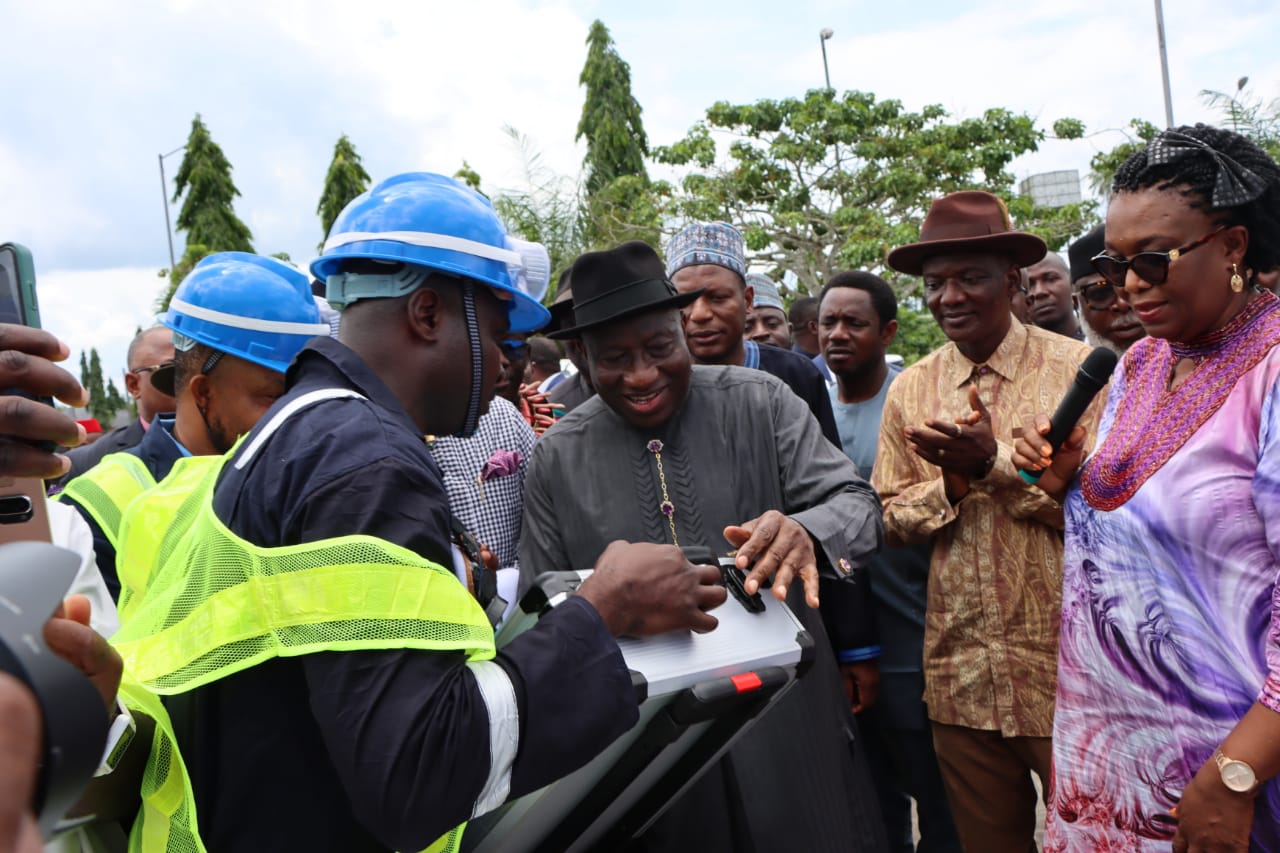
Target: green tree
[[1104, 165], [610, 123], [1248, 115], [207, 216], [193, 254], [918, 333], [346, 180], [470, 176], [546, 210], [105, 399], [826, 182]]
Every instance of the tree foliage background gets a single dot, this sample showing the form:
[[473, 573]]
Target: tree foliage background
[[105, 399], [207, 216], [619, 202], [345, 180], [826, 182]]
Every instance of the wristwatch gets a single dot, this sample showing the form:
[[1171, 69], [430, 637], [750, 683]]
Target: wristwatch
[[1236, 775]]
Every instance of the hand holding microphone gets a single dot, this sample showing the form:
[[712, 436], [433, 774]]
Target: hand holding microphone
[[1051, 461]]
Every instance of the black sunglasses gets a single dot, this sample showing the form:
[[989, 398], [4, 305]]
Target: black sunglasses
[[1151, 267], [1100, 295]]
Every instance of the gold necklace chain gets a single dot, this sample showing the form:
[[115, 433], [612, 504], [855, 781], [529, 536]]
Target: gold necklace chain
[[667, 508]]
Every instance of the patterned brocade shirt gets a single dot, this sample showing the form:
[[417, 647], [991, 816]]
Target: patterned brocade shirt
[[995, 578]]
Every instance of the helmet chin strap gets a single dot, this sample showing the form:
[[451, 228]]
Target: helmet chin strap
[[472, 421]]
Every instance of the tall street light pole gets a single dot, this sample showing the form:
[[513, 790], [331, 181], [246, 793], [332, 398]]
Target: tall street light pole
[[1164, 64], [164, 193], [823, 35]]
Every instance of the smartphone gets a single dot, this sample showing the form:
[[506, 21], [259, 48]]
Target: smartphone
[[24, 516], [24, 512], [18, 286]]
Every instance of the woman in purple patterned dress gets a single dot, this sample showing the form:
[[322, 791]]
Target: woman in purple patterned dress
[[1167, 726]]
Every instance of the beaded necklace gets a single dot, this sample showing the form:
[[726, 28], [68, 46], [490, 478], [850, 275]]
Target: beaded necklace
[[667, 508], [1152, 422]]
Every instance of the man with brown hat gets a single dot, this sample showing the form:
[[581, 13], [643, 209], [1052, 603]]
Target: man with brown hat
[[717, 457], [944, 474]]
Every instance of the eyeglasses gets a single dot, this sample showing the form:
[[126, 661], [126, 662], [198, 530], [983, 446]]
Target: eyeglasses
[[1099, 295], [150, 368], [1151, 267]]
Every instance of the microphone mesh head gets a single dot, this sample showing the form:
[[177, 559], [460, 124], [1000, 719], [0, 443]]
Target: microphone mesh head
[[1098, 366]]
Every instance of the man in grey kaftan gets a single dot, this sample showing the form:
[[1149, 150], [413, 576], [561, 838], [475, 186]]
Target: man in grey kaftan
[[737, 445]]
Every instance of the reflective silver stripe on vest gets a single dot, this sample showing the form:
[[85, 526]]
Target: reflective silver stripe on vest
[[504, 732], [306, 400]]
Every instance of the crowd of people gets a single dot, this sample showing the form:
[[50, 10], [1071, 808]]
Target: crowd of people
[[296, 555]]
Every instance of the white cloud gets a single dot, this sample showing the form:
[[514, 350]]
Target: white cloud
[[93, 92], [98, 309]]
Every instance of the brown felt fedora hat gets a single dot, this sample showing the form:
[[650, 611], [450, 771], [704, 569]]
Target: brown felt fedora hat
[[969, 221], [619, 283]]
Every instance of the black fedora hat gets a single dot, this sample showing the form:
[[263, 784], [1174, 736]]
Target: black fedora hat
[[619, 283]]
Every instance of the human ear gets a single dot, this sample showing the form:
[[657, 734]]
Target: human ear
[[1235, 241], [888, 332], [131, 384], [425, 313], [201, 391]]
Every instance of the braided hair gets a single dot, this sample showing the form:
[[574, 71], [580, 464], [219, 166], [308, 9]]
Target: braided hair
[[1194, 177]]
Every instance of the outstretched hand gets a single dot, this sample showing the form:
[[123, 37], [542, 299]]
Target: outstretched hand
[[780, 548], [641, 589]]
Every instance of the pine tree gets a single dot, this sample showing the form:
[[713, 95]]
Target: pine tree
[[611, 124], [105, 399], [346, 180], [207, 217]]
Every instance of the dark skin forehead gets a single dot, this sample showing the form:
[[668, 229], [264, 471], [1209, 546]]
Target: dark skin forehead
[[956, 263], [631, 332]]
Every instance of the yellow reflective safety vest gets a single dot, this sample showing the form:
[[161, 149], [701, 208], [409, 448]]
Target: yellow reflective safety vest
[[106, 490], [199, 604]]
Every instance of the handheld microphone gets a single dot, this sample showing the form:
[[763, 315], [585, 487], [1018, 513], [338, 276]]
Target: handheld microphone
[[1093, 374]]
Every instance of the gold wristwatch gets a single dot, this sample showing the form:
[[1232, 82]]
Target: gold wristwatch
[[1236, 775]]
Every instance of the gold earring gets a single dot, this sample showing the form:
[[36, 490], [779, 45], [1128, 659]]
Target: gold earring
[[1237, 283]]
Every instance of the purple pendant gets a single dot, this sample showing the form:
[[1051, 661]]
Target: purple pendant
[[654, 446], [668, 508]]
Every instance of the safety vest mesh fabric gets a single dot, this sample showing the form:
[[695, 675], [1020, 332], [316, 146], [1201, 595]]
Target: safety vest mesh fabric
[[166, 820], [203, 604], [107, 489]]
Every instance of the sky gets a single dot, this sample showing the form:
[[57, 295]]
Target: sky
[[93, 93]]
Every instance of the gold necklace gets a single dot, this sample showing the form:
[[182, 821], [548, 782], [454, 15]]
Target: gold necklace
[[667, 508]]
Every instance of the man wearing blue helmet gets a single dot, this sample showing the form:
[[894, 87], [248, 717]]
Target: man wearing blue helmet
[[316, 631], [237, 321]]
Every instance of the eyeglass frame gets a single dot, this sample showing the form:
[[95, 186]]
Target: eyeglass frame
[[1167, 257], [1083, 291], [150, 368]]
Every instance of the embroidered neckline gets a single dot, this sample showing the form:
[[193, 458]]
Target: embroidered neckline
[[1152, 422]]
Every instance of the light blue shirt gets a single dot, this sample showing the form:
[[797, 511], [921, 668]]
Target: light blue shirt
[[859, 423]]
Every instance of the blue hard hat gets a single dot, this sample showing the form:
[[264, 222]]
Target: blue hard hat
[[256, 308], [435, 222]]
